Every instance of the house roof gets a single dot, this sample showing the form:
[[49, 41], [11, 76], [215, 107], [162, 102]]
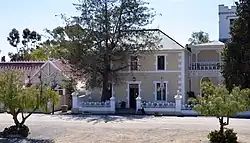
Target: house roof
[[27, 67], [167, 42], [31, 67], [212, 43]]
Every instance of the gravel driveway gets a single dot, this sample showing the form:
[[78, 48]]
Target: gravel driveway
[[117, 129]]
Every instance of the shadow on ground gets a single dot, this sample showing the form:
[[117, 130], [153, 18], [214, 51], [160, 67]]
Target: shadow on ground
[[18, 140], [102, 118]]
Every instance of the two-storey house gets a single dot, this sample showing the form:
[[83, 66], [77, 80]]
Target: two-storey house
[[157, 75]]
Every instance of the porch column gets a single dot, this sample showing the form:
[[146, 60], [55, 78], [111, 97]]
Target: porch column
[[219, 52], [196, 58], [219, 75]]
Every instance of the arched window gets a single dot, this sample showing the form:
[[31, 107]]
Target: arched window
[[205, 79]]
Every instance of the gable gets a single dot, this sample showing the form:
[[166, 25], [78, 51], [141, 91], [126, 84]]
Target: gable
[[49, 72], [169, 43]]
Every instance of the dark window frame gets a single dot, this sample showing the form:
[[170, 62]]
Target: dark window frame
[[161, 65], [160, 97]]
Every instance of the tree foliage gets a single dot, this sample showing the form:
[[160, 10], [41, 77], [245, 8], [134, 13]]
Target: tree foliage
[[47, 51], [218, 101], [29, 42], [105, 31], [198, 38], [18, 99], [236, 55]]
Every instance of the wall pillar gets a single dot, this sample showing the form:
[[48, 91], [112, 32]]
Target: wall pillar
[[74, 102], [138, 103], [112, 104], [178, 99]]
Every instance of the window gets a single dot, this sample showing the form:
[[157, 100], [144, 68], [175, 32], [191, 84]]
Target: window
[[231, 22], [160, 62], [60, 92], [134, 63], [161, 91]]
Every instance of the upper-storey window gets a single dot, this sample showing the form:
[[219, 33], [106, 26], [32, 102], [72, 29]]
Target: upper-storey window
[[161, 62], [134, 63]]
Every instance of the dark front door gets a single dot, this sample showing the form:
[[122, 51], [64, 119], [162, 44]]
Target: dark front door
[[133, 94]]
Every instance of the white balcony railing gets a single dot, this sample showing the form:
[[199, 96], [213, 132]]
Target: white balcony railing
[[203, 66]]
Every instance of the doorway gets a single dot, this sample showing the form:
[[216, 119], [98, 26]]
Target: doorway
[[133, 94]]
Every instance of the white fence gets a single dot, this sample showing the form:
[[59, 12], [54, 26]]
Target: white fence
[[79, 106], [160, 106], [150, 107]]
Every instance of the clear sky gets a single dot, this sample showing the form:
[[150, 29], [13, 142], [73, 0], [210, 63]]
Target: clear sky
[[179, 17]]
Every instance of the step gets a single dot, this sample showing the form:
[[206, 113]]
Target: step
[[125, 111]]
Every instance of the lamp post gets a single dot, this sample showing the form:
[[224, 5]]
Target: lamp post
[[41, 87]]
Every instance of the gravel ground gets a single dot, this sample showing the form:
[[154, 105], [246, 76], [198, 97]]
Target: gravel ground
[[117, 129]]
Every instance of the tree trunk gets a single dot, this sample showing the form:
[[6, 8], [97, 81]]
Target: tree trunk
[[221, 126], [105, 82], [16, 121], [105, 95]]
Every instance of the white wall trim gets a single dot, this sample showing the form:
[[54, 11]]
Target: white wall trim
[[169, 71], [127, 90], [155, 91], [133, 82], [203, 48], [156, 61], [183, 78]]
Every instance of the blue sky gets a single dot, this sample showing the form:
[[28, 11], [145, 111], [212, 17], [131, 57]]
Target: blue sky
[[179, 17]]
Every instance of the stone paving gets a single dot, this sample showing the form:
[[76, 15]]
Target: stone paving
[[122, 129]]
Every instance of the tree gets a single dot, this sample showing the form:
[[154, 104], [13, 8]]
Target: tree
[[29, 42], [236, 55], [218, 101], [18, 99], [106, 31], [46, 52], [48, 49], [198, 38]]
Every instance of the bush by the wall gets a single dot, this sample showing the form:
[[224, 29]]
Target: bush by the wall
[[228, 136]]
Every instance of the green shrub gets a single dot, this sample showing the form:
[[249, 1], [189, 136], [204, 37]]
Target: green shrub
[[228, 136], [231, 136]]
